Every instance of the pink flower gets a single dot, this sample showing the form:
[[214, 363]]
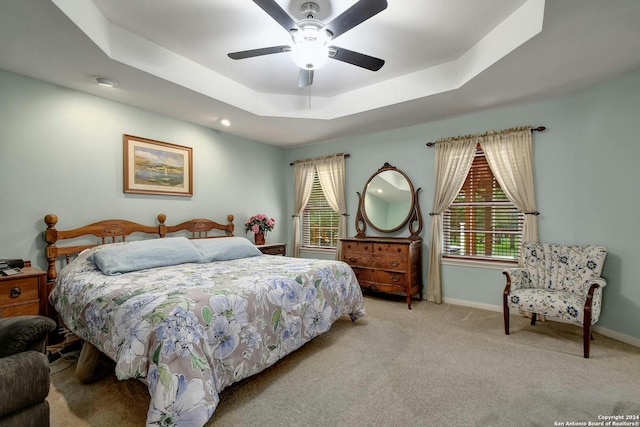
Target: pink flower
[[259, 223]]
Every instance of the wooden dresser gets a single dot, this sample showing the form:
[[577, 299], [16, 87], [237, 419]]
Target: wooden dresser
[[23, 293], [386, 264]]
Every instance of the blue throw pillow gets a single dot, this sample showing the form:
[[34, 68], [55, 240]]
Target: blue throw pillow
[[145, 254], [225, 248]]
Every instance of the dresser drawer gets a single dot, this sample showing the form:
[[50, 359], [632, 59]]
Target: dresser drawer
[[18, 290], [390, 263], [359, 247], [357, 259], [389, 277], [362, 274], [390, 249]]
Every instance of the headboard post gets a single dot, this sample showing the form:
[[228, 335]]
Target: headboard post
[[51, 237], [162, 228], [231, 226]]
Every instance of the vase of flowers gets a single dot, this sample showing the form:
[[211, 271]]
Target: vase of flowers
[[259, 224]]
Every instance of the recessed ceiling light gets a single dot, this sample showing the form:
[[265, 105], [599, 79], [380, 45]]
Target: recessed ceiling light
[[106, 82], [225, 122]]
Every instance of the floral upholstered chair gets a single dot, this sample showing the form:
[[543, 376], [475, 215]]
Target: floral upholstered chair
[[557, 281]]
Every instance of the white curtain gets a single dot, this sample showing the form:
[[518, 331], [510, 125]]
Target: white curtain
[[331, 174], [304, 172], [453, 161], [510, 157]]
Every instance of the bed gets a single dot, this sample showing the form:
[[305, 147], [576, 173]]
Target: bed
[[191, 311]]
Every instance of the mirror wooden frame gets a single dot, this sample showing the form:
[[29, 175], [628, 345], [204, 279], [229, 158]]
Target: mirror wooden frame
[[414, 217]]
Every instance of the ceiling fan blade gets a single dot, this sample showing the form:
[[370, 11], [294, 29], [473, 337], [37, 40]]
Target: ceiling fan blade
[[305, 78], [355, 58], [277, 13], [355, 15], [259, 52]]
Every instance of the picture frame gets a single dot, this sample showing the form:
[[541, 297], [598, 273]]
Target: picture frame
[[156, 167]]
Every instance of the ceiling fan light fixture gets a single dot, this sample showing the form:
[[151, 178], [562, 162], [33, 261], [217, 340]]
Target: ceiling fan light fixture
[[310, 54], [309, 49]]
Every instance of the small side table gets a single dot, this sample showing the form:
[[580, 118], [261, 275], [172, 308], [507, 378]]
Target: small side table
[[23, 293], [273, 249]]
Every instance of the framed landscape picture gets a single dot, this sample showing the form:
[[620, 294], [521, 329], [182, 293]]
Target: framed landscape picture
[[154, 167]]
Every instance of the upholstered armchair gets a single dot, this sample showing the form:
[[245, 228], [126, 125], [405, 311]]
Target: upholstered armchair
[[557, 281], [24, 371]]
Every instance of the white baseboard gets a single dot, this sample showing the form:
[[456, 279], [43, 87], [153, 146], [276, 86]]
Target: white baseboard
[[598, 329], [617, 336], [465, 303]]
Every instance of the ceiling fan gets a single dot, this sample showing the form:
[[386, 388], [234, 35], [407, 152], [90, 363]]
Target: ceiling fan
[[310, 49]]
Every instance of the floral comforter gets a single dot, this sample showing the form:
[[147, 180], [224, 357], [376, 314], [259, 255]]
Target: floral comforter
[[191, 330]]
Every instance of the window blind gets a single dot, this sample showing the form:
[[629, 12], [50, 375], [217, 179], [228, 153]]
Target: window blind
[[319, 222], [482, 223]]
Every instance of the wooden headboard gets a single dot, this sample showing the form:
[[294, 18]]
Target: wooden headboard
[[117, 230]]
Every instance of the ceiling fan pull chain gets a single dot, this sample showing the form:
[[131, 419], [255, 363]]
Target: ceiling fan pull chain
[[309, 97]]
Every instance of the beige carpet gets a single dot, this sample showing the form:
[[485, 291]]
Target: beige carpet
[[435, 365]]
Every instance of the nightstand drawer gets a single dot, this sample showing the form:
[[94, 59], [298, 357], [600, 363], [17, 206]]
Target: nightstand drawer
[[23, 293], [18, 290], [20, 309], [273, 249]]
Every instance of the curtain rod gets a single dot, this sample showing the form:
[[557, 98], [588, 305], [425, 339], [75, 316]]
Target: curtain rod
[[536, 129], [318, 158]]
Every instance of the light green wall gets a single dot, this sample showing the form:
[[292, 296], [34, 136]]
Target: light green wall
[[61, 152], [586, 175]]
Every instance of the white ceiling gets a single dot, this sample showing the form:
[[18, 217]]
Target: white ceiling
[[443, 58]]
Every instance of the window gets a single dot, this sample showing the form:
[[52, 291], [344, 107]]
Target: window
[[482, 223], [319, 221]]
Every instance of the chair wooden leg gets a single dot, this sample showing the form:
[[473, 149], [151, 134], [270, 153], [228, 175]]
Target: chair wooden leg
[[586, 339], [586, 334], [534, 317], [506, 319], [505, 311]]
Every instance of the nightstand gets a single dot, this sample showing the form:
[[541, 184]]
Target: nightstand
[[23, 293], [273, 249]]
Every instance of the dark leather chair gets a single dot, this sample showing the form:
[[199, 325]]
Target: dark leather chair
[[24, 371]]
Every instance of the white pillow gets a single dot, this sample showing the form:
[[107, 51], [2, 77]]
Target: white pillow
[[225, 248]]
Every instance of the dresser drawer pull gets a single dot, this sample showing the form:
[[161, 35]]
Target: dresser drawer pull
[[395, 263], [15, 292], [353, 259], [395, 279]]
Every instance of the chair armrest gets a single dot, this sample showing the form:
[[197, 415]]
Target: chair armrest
[[596, 281], [24, 381], [517, 278], [23, 333]]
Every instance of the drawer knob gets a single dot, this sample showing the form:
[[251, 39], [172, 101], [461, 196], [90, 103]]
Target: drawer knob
[[395, 279], [395, 263], [15, 292], [353, 259]]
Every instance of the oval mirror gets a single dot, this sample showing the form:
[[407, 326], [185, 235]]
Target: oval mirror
[[388, 199]]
